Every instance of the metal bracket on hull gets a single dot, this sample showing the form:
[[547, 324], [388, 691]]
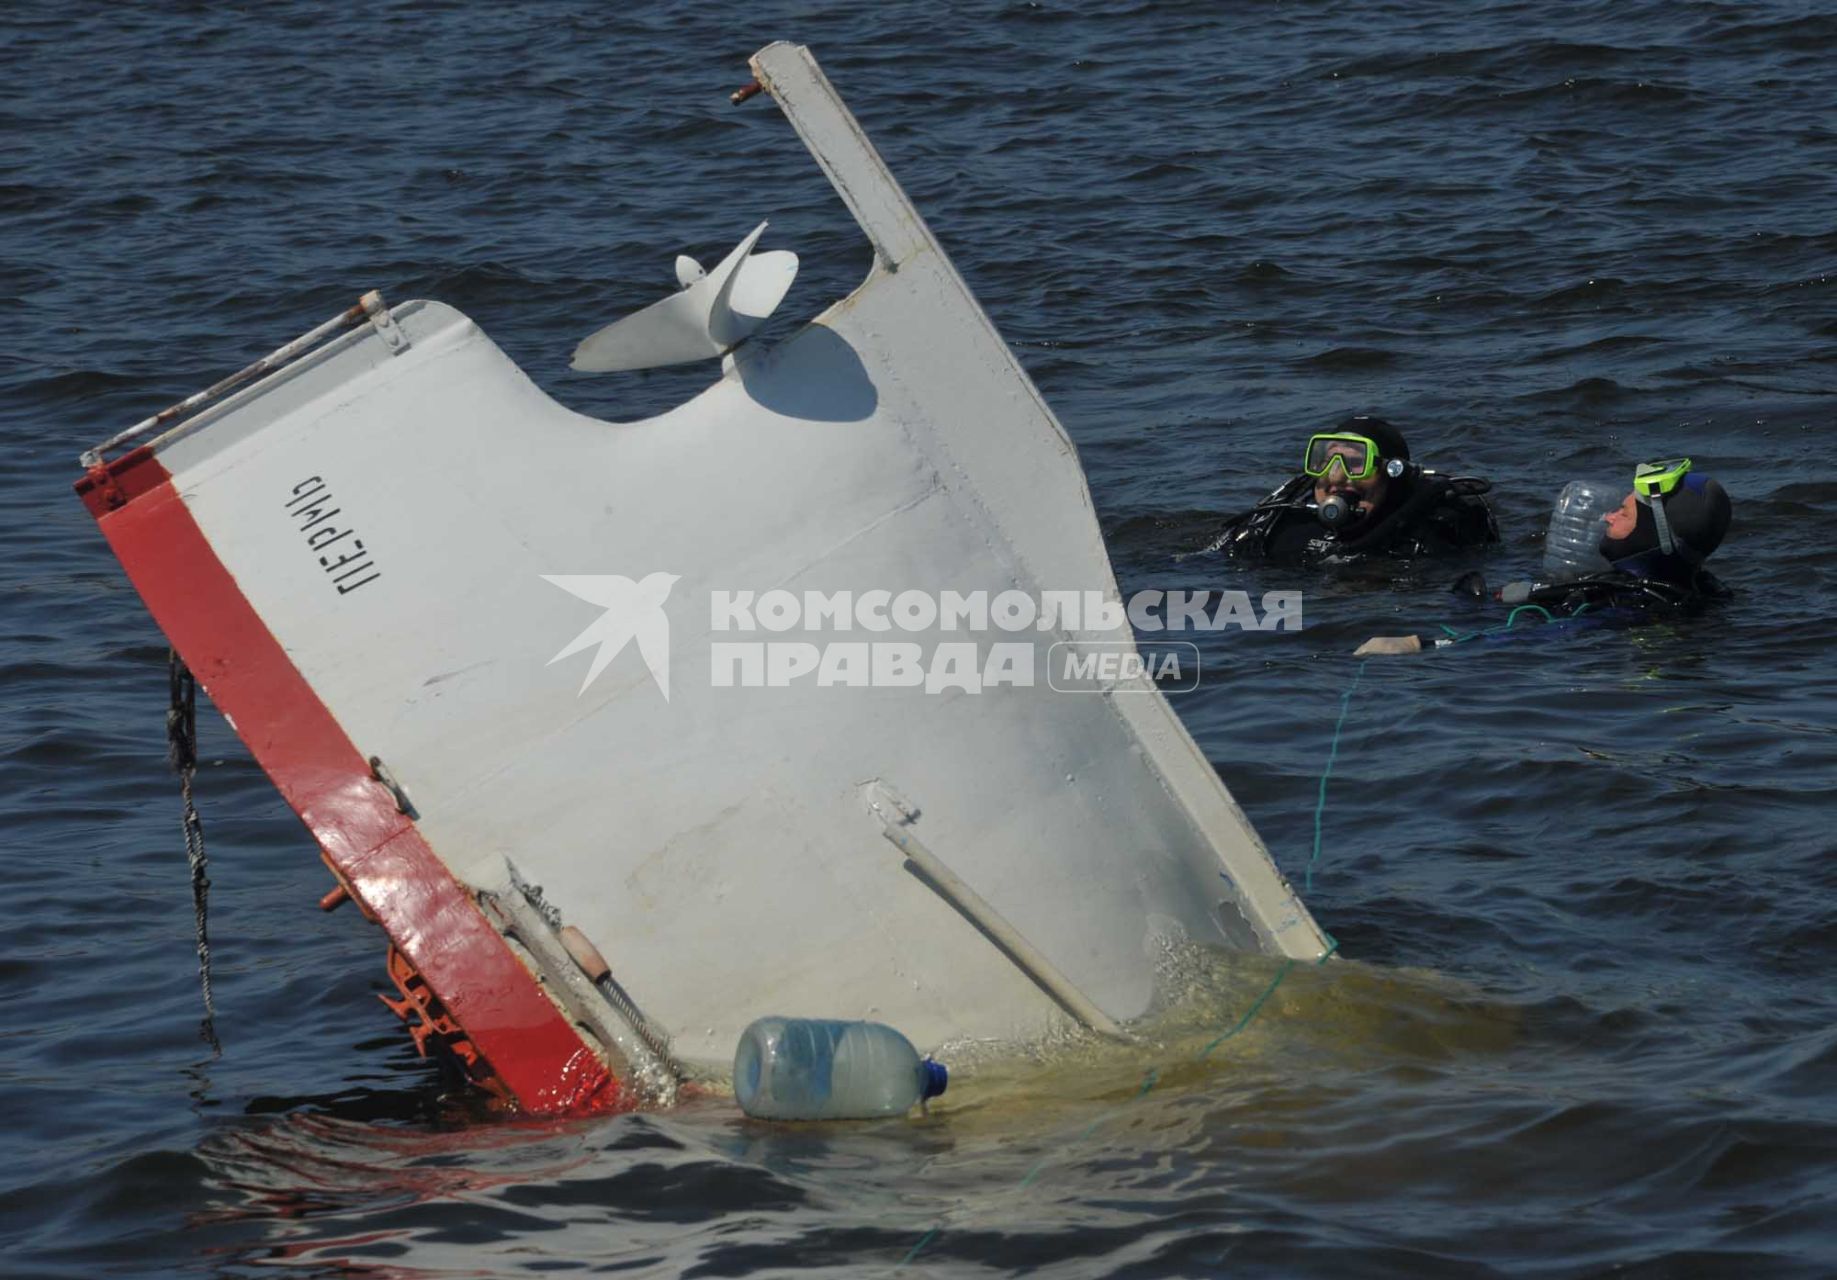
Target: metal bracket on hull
[[370, 307], [897, 817], [622, 1034], [384, 323]]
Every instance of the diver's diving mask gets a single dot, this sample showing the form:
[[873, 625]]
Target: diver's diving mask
[[1653, 482], [1356, 455]]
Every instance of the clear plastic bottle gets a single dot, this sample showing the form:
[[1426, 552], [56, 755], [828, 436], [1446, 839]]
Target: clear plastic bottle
[[817, 1069], [1572, 547]]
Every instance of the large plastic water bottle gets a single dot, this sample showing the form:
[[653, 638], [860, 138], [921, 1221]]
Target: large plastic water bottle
[[1572, 547], [816, 1069]]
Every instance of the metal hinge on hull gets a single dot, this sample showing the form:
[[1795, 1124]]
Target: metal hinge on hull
[[369, 307], [434, 1030], [637, 1053]]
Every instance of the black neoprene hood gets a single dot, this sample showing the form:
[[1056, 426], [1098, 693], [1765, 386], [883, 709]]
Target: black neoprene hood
[[1698, 511], [1389, 440]]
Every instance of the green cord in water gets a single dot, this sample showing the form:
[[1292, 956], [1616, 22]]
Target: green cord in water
[[1512, 617], [1287, 964], [1320, 805], [1153, 1076]]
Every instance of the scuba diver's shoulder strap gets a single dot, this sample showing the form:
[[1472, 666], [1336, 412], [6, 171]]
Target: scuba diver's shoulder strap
[[1426, 491], [1250, 531], [1440, 509], [1463, 515], [1596, 595], [1611, 588], [1597, 590]]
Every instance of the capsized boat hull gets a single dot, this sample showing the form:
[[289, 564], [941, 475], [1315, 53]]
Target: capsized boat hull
[[377, 561]]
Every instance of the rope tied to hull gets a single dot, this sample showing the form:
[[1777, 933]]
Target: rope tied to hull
[[182, 755]]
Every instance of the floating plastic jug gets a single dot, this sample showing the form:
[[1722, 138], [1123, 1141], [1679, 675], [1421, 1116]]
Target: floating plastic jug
[[817, 1069], [1572, 547]]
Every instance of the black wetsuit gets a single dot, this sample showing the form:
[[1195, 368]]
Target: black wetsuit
[[1615, 598], [1423, 513], [1616, 589]]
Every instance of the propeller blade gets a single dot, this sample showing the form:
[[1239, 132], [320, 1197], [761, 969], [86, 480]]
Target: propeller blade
[[698, 323]]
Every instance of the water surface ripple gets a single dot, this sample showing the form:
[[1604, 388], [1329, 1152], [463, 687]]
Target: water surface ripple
[[1584, 1025]]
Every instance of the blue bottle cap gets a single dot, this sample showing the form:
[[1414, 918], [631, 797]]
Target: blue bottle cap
[[937, 1079]]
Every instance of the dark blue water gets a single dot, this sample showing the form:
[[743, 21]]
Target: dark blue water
[[1586, 889]]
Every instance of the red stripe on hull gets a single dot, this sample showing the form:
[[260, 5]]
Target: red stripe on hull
[[380, 854]]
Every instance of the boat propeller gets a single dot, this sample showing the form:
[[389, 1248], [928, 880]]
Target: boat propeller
[[713, 313]]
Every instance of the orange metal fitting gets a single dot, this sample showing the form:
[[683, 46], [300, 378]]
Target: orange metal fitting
[[431, 1027]]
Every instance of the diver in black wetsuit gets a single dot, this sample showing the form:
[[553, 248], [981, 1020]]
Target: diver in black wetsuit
[[1360, 495], [1654, 543]]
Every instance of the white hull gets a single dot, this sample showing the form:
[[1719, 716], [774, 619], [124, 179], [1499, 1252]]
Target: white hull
[[718, 846]]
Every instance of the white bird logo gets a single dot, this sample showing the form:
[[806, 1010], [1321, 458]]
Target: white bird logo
[[632, 609]]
